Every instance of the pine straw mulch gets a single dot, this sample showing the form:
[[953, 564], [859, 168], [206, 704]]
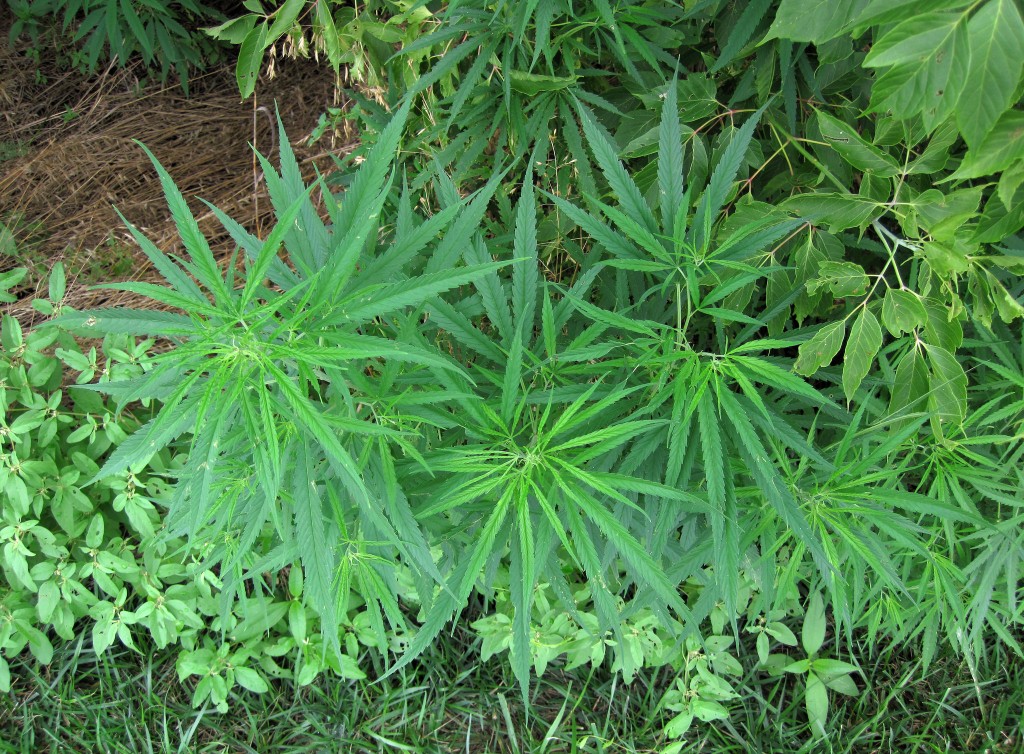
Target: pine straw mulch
[[77, 160]]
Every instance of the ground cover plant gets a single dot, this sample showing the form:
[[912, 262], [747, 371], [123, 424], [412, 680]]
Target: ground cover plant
[[638, 339]]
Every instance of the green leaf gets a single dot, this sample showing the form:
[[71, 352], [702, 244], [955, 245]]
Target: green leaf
[[816, 699], [206, 267], [47, 600], [947, 396], [670, 157], [861, 349], [821, 349], [741, 33], [720, 185], [284, 18], [813, 632], [813, 20], [928, 57], [386, 299], [844, 278], [250, 679], [1003, 146], [909, 388], [837, 211], [318, 554], [996, 36], [250, 59], [859, 153], [525, 272], [606, 154], [902, 312], [57, 283], [532, 84]]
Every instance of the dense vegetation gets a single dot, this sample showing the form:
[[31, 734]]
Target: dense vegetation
[[660, 335]]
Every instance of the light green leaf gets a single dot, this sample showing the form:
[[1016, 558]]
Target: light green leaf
[[816, 699], [250, 679], [861, 349], [813, 20], [837, 211], [1003, 146], [902, 312], [813, 633], [844, 278], [821, 349], [996, 36], [670, 157]]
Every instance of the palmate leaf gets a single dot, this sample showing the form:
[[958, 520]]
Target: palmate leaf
[[525, 274], [142, 323], [174, 275], [606, 154], [768, 480], [492, 293], [208, 271], [670, 158], [460, 585], [151, 437], [750, 18], [644, 568], [407, 245], [368, 303], [318, 555], [522, 577], [720, 185]]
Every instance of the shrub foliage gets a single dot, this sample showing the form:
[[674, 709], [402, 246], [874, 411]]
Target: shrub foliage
[[650, 325]]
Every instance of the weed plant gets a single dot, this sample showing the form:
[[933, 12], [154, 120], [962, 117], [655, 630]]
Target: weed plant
[[687, 354]]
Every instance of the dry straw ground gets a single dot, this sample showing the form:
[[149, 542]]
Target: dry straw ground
[[67, 158]]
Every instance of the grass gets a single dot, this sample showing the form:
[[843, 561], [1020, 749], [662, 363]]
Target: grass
[[449, 701]]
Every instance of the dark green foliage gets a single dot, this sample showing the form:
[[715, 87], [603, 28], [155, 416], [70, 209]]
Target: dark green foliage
[[164, 35], [647, 327]]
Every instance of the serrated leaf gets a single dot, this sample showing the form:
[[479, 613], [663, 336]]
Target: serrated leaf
[[820, 349], [837, 211], [947, 395], [670, 157], [741, 32], [861, 348], [1003, 146], [996, 37], [855, 150], [902, 312], [606, 154], [720, 185], [206, 267], [318, 555], [843, 278], [813, 20]]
